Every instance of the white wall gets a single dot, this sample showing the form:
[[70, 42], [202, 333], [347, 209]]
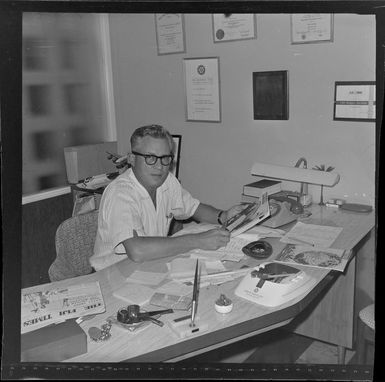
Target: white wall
[[217, 157]]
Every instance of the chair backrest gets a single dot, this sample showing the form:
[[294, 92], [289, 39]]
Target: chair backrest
[[75, 238]]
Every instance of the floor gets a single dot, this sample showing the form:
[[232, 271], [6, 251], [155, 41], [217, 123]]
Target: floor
[[292, 349]]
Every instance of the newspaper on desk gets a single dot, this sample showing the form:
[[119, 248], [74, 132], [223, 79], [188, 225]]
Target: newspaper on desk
[[52, 305]]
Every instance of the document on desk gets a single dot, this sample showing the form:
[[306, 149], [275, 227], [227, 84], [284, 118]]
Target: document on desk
[[173, 295], [51, 305], [231, 252], [211, 272], [175, 288], [312, 234], [182, 268], [146, 278], [134, 293]]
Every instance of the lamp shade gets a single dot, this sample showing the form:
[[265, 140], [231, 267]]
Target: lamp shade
[[295, 174]]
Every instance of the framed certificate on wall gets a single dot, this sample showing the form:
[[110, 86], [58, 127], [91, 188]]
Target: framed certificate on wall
[[233, 27], [311, 27], [170, 34], [203, 101], [355, 101]]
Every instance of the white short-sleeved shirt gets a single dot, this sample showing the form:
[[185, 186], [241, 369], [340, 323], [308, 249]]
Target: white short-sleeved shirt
[[126, 206]]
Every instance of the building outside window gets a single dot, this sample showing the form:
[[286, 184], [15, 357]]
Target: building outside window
[[67, 92]]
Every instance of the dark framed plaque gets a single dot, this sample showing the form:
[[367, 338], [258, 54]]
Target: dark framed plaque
[[270, 95]]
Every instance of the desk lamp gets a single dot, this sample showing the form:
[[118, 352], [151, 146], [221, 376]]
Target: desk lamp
[[295, 174]]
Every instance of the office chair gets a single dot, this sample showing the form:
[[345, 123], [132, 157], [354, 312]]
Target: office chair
[[74, 240], [365, 332]]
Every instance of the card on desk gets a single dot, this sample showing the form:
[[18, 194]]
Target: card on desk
[[183, 268], [171, 301], [146, 278]]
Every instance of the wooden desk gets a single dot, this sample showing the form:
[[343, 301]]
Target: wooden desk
[[330, 317], [156, 344]]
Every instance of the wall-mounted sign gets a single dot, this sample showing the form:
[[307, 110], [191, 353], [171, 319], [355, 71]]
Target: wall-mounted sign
[[355, 101]]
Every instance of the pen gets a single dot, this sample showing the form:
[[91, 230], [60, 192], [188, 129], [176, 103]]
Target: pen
[[194, 299], [267, 277]]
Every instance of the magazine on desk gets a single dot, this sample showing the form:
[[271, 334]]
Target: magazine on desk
[[253, 214], [312, 256], [51, 305]]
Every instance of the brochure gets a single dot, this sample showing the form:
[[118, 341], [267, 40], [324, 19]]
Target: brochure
[[318, 257], [253, 214]]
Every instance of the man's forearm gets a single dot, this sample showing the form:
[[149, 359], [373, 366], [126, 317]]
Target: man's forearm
[[149, 248], [207, 213]]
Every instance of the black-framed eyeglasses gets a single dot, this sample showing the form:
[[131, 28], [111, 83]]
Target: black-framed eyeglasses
[[151, 159]]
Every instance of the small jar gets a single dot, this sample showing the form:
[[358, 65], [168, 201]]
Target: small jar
[[223, 305]]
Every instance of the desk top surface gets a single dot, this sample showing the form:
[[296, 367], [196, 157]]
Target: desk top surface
[[154, 343]]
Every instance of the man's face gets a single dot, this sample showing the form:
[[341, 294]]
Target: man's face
[[151, 176]]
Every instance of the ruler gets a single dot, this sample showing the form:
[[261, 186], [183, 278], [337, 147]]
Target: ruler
[[190, 371]]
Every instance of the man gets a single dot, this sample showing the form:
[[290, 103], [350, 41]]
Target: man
[[137, 207]]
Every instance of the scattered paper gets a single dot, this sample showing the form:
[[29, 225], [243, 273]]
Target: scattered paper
[[171, 301], [181, 268], [146, 278], [312, 234], [214, 266], [175, 287], [218, 278], [134, 293], [261, 231], [231, 252]]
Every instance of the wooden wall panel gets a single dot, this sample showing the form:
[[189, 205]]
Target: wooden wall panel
[[39, 223]]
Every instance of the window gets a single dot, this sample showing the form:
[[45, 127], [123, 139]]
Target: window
[[65, 100]]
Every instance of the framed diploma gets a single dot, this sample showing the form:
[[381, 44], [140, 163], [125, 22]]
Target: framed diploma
[[270, 95], [311, 27], [355, 101], [202, 87], [233, 27], [170, 34]]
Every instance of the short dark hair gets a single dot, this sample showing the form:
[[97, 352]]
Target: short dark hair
[[155, 131]]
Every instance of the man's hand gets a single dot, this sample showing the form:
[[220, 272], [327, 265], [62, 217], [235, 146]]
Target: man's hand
[[213, 239]]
